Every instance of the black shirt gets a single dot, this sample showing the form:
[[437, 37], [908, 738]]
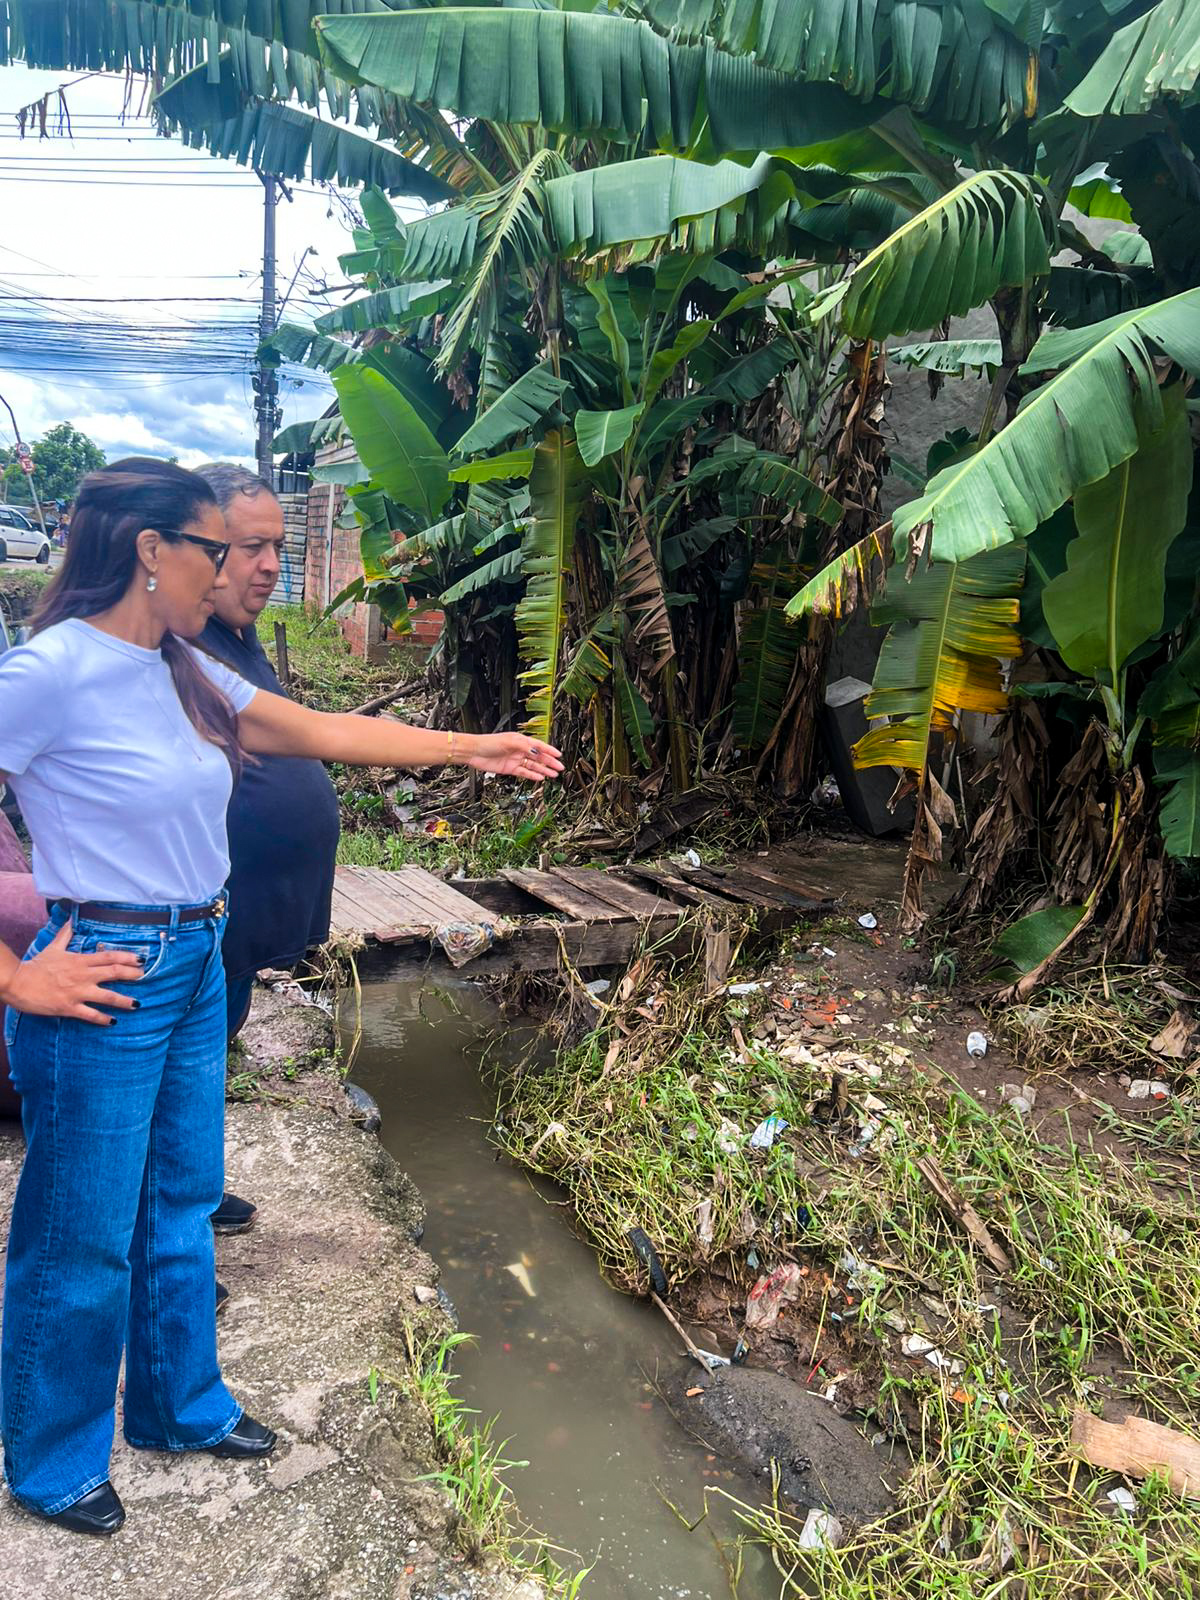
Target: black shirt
[[283, 836]]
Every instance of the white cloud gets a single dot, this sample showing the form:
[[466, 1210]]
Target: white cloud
[[147, 218]]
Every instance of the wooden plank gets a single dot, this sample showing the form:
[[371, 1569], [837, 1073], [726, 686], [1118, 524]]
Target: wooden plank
[[675, 886], [564, 896], [736, 886], [455, 907], [800, 897], [622, 897], [538, 947], [378, 905]]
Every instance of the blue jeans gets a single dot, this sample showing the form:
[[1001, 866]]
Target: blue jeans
[[110, 1246]]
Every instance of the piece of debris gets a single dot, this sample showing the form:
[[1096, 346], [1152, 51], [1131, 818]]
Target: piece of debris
[[821, 1531], [648, 1255], [1149, 1089], [866, 1137], [704, 1222], [961, 1211], [691, 1393], [977, 1044], [1123, 1500], [867, 921], [729, 1137], [1137, 1447], [1020, 1096], [521, 1273], [768, 1130], [744, 988], [692, 858], [1177, 1039], [598, 986], [424, 1295], [766, 1299]]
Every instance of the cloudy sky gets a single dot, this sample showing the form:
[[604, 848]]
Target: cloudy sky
[[115, 212]]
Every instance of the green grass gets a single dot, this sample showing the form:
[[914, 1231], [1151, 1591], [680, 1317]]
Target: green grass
[[20, 592], [325, 674], [1102, 1301], [503, 837], [473, 1466]]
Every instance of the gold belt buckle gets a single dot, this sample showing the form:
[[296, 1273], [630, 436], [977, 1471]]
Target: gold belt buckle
[[218, 906]]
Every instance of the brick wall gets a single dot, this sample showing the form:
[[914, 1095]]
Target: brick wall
[[328, 572]]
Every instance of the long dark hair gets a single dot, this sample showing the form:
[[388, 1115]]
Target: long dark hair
[[111, 508]]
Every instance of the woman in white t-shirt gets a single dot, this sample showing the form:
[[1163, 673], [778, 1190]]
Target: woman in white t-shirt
[[122, 743]]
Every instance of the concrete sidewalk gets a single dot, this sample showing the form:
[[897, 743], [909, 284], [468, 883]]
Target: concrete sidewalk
[[320, 1289]]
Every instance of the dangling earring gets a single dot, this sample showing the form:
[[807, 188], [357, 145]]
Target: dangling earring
[[151, 583]]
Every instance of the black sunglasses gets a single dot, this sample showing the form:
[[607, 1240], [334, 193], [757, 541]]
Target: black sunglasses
[[215, 549]]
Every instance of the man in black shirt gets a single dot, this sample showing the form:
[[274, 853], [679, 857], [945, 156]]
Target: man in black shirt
[[283, 817]]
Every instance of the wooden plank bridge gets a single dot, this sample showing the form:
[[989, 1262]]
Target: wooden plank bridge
[[533, 921]]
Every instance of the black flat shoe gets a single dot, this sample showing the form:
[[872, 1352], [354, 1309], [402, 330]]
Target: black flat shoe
[[247, 1440], [98, 1511], [233, 1215], [222, 1297]]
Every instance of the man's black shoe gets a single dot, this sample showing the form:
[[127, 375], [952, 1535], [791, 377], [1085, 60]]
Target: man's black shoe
[[222, 1296], [233, 1215], [98, 1511], [248, 1439]]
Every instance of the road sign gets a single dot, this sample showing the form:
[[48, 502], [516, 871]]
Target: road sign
[[23, 450], [26, 463]]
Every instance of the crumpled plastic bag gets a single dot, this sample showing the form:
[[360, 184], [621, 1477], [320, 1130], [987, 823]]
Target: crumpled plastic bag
[[464, 941]]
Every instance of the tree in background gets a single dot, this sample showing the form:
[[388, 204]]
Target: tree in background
[[61, 458]]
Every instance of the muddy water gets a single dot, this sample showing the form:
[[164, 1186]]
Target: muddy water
[[567, 1364]]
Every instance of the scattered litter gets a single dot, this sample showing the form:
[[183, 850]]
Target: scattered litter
[[598, 986], [740, 1351], [1022, 1097], [866, 1137], [691, 1133], [704, 1222], [1136, 1448], [744, 988], [1149, 1089], [916, 1344], [712, 1362], [463, 941], [894, 1321], [766, 1299], [768, 1130], [729, 1137], [861, 1274], [826, 951], [424, 1295], [645, 1252], [692, 858], [1123, 1500], [821, 1531], [867, 921], [977, 1044], [553, 1130], [691, 1393], [521, 1273]]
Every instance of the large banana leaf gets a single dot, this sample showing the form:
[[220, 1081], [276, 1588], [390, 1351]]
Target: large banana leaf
[[1109, 600], [300, 437], [950, 625], [953, 357], [388, 308], [1069, 433], [591, 660], [506, 568], [766, 655], [286, 142], [521, 407], [393, 443], [1179, 815], [951, 58], [1158, 55], [557, 488], [603, 433], [995, 229], [585, 74], [627, 200], [779, 480]]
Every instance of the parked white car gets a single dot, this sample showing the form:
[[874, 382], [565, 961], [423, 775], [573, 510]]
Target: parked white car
[[19, 537]]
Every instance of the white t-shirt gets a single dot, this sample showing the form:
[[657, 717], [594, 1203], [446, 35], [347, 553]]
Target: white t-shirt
[[124, 800]]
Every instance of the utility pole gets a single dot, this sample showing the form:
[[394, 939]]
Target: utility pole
[[266, 384], [32, 486]]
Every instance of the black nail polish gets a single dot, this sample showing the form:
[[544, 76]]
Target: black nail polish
[[112, 1022], [137, 1005]]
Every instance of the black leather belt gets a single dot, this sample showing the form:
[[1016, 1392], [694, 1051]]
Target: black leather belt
[[91, 912]]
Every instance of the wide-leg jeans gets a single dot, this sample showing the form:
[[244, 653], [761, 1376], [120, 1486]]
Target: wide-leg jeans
[[111, 1248]]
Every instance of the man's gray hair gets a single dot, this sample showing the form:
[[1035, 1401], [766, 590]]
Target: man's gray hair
[[227, 480]]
